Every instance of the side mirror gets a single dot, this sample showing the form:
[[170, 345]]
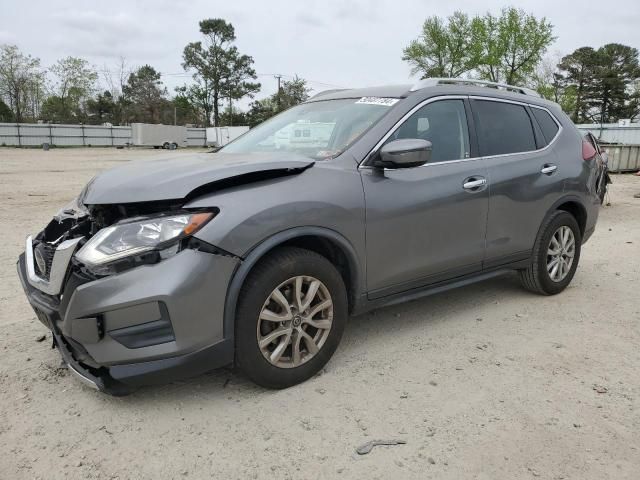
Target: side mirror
[[405, 153]]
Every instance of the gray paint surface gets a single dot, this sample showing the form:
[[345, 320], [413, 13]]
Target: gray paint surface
[[404, 229]]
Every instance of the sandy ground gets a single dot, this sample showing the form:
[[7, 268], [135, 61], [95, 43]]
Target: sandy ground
[[487, 382]]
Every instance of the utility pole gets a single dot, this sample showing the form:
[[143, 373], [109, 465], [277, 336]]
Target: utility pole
[[278, 95], [175, 115], [230, 113]]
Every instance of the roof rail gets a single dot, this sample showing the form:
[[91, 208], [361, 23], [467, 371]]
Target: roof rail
[[432, 82]]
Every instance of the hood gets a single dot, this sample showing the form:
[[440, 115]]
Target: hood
[[175, 178]]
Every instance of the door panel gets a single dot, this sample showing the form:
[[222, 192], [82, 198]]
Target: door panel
[[422, 225], [520, 196], [524, 177]]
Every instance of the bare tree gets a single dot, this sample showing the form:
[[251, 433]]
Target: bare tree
[[21, 82]]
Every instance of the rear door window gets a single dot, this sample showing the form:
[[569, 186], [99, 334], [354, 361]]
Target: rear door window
[[547, 124], [503, 128]]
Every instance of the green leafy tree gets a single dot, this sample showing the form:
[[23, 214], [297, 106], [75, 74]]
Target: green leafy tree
[[74, 83], [509, 47], [144, 96], [291, 93], [233, 116], [102, 109], [445, 48], [21, 83], [220, 71]]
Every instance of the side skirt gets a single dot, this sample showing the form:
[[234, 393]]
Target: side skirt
[[366, 305]]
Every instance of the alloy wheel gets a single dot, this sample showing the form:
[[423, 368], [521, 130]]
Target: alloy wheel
[[560, 253], [295, 321]]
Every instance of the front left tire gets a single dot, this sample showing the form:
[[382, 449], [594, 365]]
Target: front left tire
[[291, 314]]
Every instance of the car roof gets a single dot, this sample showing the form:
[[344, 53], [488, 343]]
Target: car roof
[[432, 87]]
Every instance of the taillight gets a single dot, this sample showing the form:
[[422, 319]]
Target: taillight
[[588, 151]]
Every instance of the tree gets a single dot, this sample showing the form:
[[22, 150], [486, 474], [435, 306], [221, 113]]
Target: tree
[[444, 49], [603, 82], [577, 71], [6, 115], [145, 92], [220, 71], [509, 47], [74, 84], [102, 108], [616, 70], [547, 80], [291, 93], [21, 82]]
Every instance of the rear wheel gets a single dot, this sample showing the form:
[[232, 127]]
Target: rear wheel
[[165, 145], [291, 314], [555, 255]]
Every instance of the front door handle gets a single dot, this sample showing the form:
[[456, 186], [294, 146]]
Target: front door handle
[[474, 183], [548, 169]]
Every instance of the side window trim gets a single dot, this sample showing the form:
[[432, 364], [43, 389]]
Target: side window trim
[[524, 104]]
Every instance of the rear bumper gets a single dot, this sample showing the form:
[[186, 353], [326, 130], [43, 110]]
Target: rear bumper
[[108, 332]]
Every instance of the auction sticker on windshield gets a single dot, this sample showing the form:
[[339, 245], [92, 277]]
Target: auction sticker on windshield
[[378, 101]]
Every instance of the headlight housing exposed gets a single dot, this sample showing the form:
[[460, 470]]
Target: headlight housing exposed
[[139, 237]]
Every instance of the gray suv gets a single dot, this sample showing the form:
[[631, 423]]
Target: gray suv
[[256, 255]]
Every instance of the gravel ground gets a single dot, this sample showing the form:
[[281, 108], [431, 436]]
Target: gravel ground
[[487, 382]]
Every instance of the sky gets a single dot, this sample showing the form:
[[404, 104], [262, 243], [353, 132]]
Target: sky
[[330, 43]]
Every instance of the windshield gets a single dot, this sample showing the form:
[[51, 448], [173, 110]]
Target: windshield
[[317, 130]]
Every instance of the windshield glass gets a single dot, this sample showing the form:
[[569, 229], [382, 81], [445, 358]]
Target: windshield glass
[[317, 130]]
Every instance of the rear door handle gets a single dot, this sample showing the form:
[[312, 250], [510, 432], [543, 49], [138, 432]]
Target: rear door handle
[[473, 183], [548, 169]]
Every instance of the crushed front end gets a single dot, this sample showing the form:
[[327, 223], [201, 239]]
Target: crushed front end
[[125, 314]]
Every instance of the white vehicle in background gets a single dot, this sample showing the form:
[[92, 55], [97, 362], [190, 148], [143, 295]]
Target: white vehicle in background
[[304, 134], [168, 137], [220, 136]]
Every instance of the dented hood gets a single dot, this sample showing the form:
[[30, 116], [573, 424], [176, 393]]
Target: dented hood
[[175, 178]]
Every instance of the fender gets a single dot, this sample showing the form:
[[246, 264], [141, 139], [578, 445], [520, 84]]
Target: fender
[[261, 249]]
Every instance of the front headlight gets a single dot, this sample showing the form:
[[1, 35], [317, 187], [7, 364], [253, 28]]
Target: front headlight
[[138, 237]]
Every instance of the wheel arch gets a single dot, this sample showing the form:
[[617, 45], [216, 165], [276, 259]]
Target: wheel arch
[[326, 242], [575, 207]]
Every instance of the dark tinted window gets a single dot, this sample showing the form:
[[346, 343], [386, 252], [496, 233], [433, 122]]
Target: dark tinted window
[[547, 124], [503, 128], [444, 124]]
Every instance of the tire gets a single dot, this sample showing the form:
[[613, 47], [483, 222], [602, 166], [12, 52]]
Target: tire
[[256, 301], [537, 277], [165, 145], [173, 146]]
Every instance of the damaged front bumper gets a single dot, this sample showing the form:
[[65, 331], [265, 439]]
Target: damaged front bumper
[[151, 324]]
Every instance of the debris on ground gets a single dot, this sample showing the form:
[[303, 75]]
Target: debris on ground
[[41, 338], [600, 389], [367, 447]]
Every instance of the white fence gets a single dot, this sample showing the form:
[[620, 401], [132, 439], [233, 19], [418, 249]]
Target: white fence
[[613, 133], [35, 134]]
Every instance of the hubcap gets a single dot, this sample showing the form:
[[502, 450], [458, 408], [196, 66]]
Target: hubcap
[[295, 321], [562, 249]]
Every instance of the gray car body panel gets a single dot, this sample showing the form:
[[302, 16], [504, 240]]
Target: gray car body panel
[[176, 178], [404, 232], [192, 285]]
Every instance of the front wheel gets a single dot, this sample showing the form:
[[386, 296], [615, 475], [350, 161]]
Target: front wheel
[[555, 255], [291, 314]]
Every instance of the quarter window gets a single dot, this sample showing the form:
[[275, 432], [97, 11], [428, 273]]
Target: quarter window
[[503, 128], [444, 124], [547, 124]]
